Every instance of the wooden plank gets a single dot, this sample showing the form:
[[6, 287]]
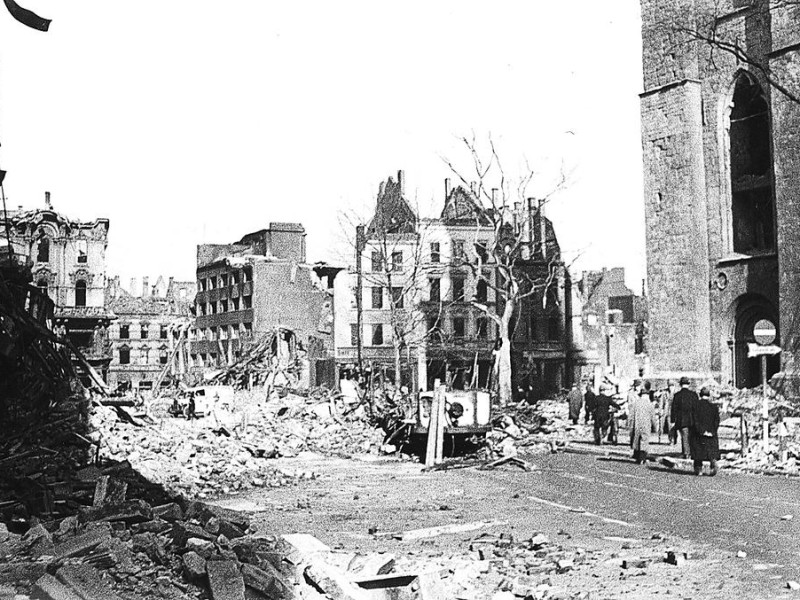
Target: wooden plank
[[440, 423], [428, 532], [430, 448]]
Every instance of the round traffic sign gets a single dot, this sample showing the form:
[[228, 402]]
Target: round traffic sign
[[764, 332]]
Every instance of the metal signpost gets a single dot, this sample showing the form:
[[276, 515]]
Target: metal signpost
[[764, 333]]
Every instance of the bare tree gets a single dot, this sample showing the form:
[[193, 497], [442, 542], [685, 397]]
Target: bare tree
[[508, 244], [389, 250]]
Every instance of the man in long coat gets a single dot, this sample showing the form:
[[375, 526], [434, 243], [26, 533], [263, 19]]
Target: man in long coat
[[642, 419], [703, 433], [590, 397], [681, 413], [575, 400]]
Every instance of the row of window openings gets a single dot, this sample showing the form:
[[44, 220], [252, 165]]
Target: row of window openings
[[80, 291], [224, 280], [459, 330], [125, 356], [435, 295], [231, 332], [43, 251], [144, 332], [223, 306], [481, 256], [210, 360]]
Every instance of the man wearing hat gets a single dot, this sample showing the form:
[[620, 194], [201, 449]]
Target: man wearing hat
[[602, 413], [642, 418], [703, 432], [681, 413]]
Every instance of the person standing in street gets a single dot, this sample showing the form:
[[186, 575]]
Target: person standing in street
[[590, 399], [575, 400], [642, 419], [602, 413], [703, 428], [681, 413]]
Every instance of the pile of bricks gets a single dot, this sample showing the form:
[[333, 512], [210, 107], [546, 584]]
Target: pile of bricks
[[121, 548], [204, 458], [525, 566]]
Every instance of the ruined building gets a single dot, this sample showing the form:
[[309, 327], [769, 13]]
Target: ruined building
[[721, 157], [256, 287], [148, 339], [420, 280], [613, 323], [68, 260]]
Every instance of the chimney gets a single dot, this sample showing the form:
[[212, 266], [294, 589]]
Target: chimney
[[543, 229], [528, 248], [145, 287], [446, 188], [494, 196], [47, 203], [19, 208], [401, 181], [132, 287]]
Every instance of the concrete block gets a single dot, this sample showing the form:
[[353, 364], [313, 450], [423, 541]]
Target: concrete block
[[194, 566], [81, 544], [108, 490], [48, 587], [132, 511], [225, 580], [86, 581], [169, 512]]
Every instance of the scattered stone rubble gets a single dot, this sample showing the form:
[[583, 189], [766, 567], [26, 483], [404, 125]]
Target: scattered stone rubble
[[229, 451], [533, 428], [128, 549]]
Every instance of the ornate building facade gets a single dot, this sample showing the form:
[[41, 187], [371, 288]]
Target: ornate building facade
[[68, 260]]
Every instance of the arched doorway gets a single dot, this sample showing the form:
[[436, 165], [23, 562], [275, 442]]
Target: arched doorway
[[751, 308]]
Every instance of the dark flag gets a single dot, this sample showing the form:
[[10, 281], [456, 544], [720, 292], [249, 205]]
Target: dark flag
[[27, 17]]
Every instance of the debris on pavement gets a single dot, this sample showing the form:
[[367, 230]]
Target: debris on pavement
[[204, 457]]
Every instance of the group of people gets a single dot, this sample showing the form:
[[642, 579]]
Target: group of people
[[693, 418]]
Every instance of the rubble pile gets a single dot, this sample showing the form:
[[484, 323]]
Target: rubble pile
[[524, 568], [229, 450], [119, 548], [35, 369], [260, 367], [782, 453], [533, 428]]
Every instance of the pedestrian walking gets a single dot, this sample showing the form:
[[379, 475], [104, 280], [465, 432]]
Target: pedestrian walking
[[589, 400], [575, 400], [681, 414], [642, 420], [703, 431], [602, 413]]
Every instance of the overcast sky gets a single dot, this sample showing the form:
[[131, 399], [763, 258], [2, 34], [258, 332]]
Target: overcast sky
[[190, 121]]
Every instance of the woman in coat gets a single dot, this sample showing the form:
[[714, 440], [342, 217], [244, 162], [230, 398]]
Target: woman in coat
[[642, 419], [575, 400], [703, 427]]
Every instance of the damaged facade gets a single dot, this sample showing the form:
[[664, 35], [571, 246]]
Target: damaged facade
[[256, 287], [613, 323], [68, 260], [721, 158], [150, 333], [420, 281]]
